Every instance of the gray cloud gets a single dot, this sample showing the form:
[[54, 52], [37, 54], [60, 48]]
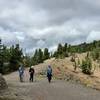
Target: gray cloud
[[38, 24]]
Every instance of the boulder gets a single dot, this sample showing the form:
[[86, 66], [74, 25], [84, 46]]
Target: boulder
[[3, 84]]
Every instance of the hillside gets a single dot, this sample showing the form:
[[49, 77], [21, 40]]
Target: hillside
[[63, 69], [59, 89]]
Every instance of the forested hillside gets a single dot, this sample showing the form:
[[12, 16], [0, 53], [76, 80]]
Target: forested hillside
[[12, 57], [67, 49]]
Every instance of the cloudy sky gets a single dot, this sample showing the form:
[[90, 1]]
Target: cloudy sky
[[45, 23]]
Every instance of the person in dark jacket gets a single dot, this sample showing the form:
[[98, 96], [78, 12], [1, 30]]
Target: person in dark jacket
[[49, 73], [31, 71]]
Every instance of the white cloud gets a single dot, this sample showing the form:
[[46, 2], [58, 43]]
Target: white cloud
[[35, 24], [94, 35]]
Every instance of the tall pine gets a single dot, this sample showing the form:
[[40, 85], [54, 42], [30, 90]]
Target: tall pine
[[46, 54]]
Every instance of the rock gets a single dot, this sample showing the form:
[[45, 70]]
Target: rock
[[3, 84]]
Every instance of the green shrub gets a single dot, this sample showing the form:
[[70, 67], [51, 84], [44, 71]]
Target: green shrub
[[86, 66], [96, 54], [75, 66], [72, 59]]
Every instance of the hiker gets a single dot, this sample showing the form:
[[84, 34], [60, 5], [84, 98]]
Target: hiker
[[21, 72], [49, 73], [31, 71]]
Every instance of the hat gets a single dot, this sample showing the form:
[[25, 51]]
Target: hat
[[32, 66]]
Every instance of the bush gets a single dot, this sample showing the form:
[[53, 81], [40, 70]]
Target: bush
[[86, 66], [72, 59], [96, 54], [75, 66]]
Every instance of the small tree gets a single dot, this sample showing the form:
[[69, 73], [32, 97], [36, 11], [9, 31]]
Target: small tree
[[1, 57], [73, 58], [40, 56], [75, 66], [65, 47], [60, 49], [78, 62], [96, 54], [86, 66]]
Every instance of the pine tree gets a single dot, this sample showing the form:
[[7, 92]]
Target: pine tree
[[65, 47], [16, 57], [35, 58], [60, 49], [27, 61], [46, 54], [59, 53], [1, 57], [40, 56], [55, 54]]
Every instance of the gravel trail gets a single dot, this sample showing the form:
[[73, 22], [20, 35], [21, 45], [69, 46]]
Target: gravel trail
[[40, 89]]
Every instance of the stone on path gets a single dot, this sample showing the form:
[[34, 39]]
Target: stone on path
[[3, 84]]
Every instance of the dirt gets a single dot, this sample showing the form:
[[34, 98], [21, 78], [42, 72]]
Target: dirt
[[40, 89]]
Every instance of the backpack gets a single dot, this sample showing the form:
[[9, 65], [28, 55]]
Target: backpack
[[49, 71], [21, 70], [31, 70]]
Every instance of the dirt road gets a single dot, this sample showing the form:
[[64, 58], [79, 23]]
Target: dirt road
[[40, 89]]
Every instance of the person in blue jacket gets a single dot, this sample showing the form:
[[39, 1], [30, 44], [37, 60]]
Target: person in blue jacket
[[21, 72], [49, 73]]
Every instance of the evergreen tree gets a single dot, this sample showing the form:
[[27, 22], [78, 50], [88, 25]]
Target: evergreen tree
[[27, 61], [16, 57], [69, 48], [65, 47], [35, 58], [6, 59], [10, 58], [46, 54], [55, 54], [40, 56], [59, 53], [60, 49], [65, 50], [1, 57]]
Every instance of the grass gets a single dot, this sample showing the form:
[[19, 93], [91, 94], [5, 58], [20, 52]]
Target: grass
[[5, 98]]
